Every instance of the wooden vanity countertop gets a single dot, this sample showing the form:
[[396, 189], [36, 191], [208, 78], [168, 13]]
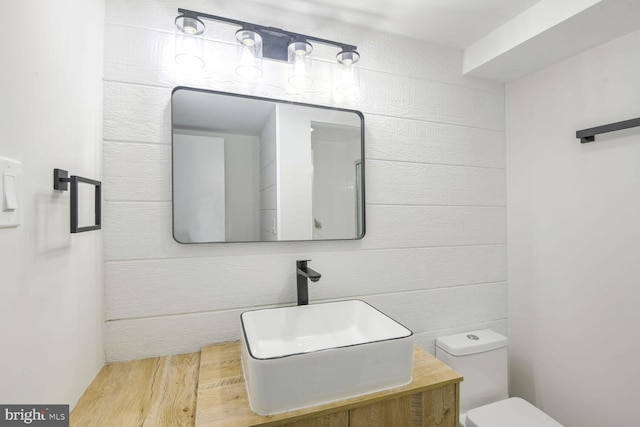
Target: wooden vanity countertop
[[222, 395], [159, 391]]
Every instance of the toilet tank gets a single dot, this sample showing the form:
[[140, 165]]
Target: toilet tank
[[481, 358]]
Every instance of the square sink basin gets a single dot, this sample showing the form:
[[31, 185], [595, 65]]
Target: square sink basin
[[302, 356]]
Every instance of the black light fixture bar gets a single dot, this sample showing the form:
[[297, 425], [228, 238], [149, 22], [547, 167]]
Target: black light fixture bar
[[589, 135], [275, 40]]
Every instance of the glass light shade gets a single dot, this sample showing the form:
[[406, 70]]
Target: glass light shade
[[188, 50], [348, 75], [300, 63], [249, 54], [188, 43]]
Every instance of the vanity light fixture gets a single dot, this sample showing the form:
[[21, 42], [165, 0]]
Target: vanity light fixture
[[256, 42]]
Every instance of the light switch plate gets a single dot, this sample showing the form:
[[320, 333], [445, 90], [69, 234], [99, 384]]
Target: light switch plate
[[10, 194]]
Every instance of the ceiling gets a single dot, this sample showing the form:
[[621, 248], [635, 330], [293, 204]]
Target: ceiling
[[454, 23], [501, 40], [201, 110]]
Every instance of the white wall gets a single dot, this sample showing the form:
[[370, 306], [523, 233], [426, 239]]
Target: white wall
[[268, 193], [294, 167], [242, 203], [51, 308], [199, 179], [434, 256], [573, 238], [334, 182]]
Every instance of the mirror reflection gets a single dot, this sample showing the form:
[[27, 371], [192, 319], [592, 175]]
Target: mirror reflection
[[249, 169]]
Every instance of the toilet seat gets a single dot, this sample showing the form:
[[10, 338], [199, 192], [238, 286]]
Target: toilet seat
[[508, 413]]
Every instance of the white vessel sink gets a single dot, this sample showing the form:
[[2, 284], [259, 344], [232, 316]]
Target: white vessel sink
[[295, 357]]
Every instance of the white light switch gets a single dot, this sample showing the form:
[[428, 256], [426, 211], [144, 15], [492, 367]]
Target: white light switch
[[10, 172], [10, 196]]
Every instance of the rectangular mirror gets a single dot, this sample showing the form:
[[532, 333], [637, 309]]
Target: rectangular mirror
[[248, 169]]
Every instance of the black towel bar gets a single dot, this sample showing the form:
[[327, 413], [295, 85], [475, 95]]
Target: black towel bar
[[61, 179], [589, 135]]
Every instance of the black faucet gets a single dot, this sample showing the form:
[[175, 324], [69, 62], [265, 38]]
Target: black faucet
[[302, 273]]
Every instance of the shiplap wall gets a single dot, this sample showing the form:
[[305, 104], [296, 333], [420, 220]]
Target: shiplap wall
[[434, 256]]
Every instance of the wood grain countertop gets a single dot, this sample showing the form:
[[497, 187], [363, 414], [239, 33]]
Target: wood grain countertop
[[160, 391], [207, 388]]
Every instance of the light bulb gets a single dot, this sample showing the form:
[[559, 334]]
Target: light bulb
[[191, 30]]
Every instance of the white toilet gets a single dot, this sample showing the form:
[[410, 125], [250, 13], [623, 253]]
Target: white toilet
[[481, 358]]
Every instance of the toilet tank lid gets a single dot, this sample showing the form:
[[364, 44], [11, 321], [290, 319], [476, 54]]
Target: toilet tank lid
[[510, 412], [471, 342]]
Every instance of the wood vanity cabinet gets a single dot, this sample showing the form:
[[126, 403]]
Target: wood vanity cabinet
[[431, 399], [429, 408]]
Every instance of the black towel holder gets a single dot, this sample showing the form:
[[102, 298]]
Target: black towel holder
[[61, 179], [589, 135]]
